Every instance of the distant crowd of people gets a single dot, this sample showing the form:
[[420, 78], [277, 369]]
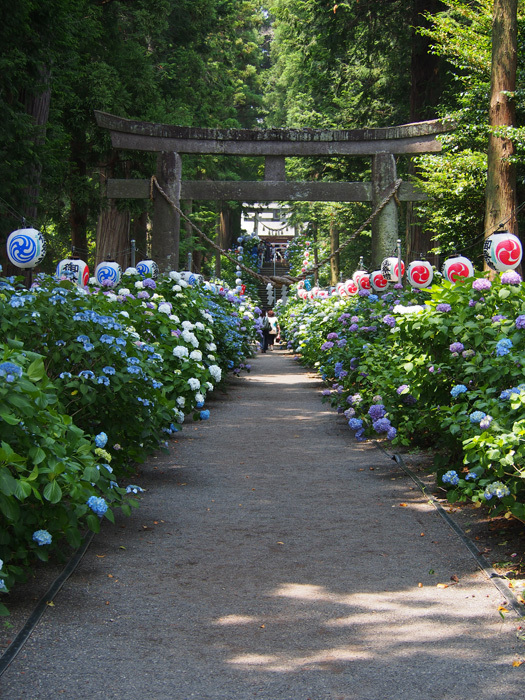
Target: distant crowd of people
[[270, 252]]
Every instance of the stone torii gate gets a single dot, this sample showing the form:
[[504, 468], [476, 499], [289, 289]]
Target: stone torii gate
[[168, 141]]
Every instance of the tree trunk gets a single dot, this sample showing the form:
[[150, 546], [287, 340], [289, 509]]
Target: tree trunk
[[113, 235], [500, 198]]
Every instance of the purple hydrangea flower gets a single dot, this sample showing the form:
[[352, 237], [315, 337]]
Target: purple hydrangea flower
[[355, 423], [485, 422], [520, 322], [498, 317], [389, 321], [456, 347], [148, 282], [510, 277], [402, 389], [376, 412], [480, 285], [332, 336], [327, 345], [354, 327], [443, 308], [391, 433]]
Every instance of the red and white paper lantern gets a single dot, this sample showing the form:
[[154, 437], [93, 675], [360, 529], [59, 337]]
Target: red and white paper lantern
[[378, 281], [502, 251], [351, 287], [420, 274], [457, 268]]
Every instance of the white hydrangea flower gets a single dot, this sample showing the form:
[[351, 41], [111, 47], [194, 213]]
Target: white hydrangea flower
[[211, 357], [179, 415], [180, 351], [183, 283], [124, 313], [199, 326], [196, 355], [211, 347], [199, 398], [210, 386], [165, 308], [400, 309], [92, 280], [174, 276], [174, 318], [189, 337], [194, 383], [176, 288], [124, 292], [181, 401], [215, 372], [188, 325], [111, 297], [131, 271], [139, 284], [207, 316]]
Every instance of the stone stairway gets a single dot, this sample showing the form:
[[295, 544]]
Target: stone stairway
[[268, 270]]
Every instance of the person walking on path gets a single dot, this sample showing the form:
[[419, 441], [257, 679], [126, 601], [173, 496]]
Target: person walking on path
[[274, 329]]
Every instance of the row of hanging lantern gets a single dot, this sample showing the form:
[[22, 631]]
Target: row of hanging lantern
[[240, 288], [501, 251]]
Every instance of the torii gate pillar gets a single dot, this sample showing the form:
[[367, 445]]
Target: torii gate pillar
[[166, 220], [385, 225]]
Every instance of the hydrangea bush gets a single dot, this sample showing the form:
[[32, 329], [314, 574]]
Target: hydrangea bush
[[91, 382], [441, 368]]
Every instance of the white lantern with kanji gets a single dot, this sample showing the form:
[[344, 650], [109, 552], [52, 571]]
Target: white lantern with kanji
[[502, 251], [26, 247], [420, 274], [74, 269], [390, 269], [457, 268], [378, 281], [108, 273]]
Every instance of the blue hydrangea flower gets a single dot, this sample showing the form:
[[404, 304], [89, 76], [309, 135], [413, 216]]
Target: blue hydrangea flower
[[451, 477], [42, 537], [86, 374], [204, 415], [498, 489], [3, 588], [101, 439], [471, 476], [477, 416], [391, 433], [103, 380], [108, 370], [97, 505], [10, 371], [355, 423], [65, 375], [133, 488], [503, 347], [457, 390]]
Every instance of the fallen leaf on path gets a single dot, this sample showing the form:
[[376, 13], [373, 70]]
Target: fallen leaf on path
[[517, 663], [441, 585], [502, 608], [454, 578], [100, 556], [404, 505], [420, 585], [50, 603]]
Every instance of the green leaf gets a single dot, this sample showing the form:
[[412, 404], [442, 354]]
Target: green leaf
[[9, 418], [37, 455], [53, 492], [23, 490], [7, 482], [36, 370]]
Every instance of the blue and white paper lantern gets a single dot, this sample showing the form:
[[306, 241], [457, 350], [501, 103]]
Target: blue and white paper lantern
[[26, 247], [108, 273], [148, 268]]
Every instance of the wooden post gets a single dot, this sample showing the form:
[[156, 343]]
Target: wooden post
[[316, 254], [166, 221], [500, 202], [385, 224], [187, 206], [334, 245]]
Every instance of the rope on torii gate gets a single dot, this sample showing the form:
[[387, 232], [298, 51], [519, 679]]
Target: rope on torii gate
[[273, 279]]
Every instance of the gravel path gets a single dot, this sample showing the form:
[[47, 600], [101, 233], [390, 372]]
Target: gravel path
[[273, 557]]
